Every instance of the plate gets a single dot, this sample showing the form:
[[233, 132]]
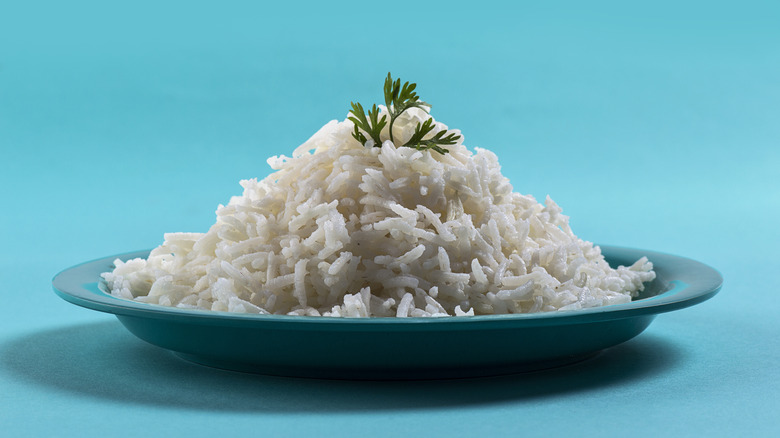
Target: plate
[[396, 348]]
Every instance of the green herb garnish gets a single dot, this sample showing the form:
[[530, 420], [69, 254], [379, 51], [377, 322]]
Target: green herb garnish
[[399, 99], [371, 125]]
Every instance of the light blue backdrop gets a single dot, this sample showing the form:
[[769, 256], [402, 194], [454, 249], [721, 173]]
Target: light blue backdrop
[[653, 124]]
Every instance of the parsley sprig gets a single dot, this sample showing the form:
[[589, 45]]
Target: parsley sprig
[[435, 142], [398, 99], [371, 125]]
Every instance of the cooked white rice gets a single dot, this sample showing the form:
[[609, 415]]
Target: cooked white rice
[[342, 229]]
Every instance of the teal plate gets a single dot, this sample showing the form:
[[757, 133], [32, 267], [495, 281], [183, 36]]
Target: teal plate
[[396, 348]]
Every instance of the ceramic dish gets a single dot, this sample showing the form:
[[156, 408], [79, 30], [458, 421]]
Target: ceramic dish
[[396, 348]]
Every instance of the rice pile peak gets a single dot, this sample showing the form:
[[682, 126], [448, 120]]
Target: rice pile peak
[[355, 227]]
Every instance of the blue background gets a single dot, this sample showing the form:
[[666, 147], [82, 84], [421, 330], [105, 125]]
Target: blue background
[[653, 124]]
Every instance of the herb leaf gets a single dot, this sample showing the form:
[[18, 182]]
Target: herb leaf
[[417, 142], [398, 99], [372, 125]]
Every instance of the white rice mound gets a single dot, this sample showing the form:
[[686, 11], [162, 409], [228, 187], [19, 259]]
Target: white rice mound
[[342, 229]]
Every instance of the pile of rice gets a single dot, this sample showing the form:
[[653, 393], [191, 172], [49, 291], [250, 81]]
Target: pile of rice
[[342, 229]]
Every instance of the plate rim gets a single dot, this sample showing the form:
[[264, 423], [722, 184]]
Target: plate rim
[[73, 285]]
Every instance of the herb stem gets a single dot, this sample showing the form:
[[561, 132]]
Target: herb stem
[[392, 120]]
